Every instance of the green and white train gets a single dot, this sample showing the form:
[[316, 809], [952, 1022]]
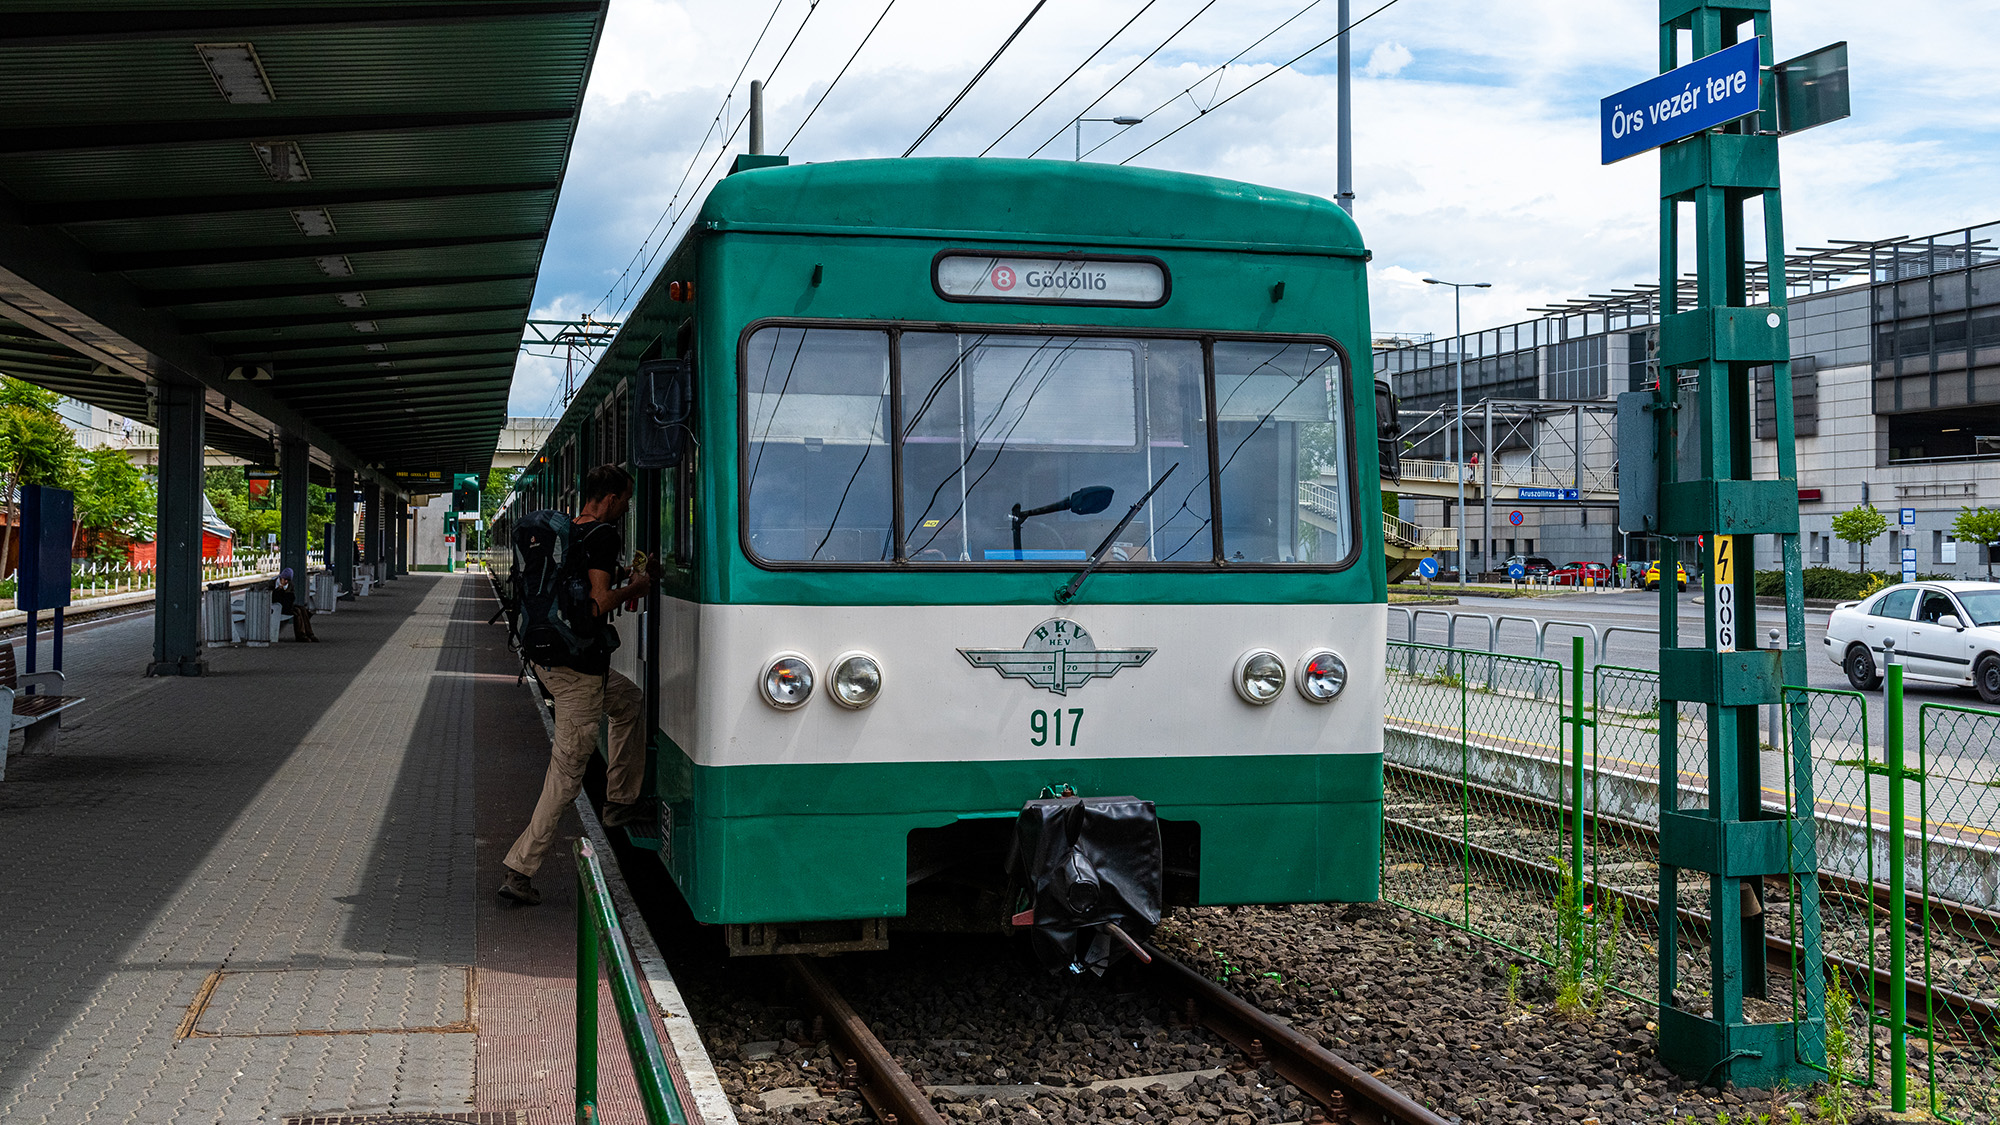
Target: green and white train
[[883, 415]]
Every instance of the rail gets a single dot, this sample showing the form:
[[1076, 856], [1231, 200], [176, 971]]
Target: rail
[[1508, 475], [597, 927], [866, 1066], [1328, 1079]]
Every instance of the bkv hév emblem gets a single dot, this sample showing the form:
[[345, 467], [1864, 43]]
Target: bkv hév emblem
[[1058, 655]]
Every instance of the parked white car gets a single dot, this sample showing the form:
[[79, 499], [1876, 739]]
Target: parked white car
[[1942, 632]]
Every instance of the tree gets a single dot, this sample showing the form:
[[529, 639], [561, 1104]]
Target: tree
[[113, 494], [1978, 525], [35, 448], [498, 483], [1860, 524]]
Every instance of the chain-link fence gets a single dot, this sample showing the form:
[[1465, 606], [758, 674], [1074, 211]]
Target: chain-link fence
[[1489, 805], [1954, 935]]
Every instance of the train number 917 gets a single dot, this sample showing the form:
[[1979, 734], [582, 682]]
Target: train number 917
[[1046, 723]]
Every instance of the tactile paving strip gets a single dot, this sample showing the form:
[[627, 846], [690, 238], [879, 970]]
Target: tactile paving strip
[[503, 1117], [352, 1001]]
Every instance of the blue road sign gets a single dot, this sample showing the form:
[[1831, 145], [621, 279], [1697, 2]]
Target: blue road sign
[[1547, 494], [1514, 518], [1713, 90], [1909, 517], [1428, 568], [1516, 571]]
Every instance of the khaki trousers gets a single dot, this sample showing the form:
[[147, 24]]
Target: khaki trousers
[[580, 700]]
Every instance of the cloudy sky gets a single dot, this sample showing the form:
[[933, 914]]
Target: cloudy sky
[[1475, 125]]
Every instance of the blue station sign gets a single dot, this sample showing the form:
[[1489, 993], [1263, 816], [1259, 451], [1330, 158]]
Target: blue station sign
[[1713, 90], [1545, 494]]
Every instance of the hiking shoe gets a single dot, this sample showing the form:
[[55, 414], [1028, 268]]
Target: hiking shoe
[[517, 887], [636, 812]]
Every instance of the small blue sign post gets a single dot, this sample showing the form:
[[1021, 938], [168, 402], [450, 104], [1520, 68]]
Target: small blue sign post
[[1514, 518], [1909, 517], [1516, 571], [1428, 569], [1909, 564], [1712, 90]]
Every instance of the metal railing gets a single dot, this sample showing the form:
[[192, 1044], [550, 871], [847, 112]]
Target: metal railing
[[1403, 533], [1508, 475], [597, 928]]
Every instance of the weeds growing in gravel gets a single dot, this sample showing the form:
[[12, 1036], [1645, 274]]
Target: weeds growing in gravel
[[1513, 986], [1586, 947], [1837, 1103]]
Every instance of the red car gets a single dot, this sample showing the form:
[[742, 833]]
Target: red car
[[1582, 574]]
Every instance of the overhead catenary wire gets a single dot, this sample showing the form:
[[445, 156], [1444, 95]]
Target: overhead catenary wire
[[838, 77], [932, 128], [723, 150], [1261, 80], [1214, 71], [1067, 125], [1072, 74], [720, 115]]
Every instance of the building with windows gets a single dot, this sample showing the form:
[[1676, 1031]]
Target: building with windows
[[1896, 403]]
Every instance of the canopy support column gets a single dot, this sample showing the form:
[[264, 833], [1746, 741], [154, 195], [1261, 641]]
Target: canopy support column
[[177, 539], [340, 544], [295, 502]]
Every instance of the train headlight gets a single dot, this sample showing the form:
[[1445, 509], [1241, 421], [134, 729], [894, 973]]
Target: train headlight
[[1260, 676], [1322, 675], [855, 681], [788, 681]]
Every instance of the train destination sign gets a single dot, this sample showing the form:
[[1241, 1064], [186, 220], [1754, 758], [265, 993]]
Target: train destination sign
[[1712, 90], [1055, 281]]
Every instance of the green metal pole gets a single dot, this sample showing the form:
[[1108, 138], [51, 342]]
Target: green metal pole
[[1899, 968], [586, 1004], [1576, 765]]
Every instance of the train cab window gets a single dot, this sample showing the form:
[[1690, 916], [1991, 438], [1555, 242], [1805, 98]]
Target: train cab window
[[1283, 452], [1003, 433], [816, 473]]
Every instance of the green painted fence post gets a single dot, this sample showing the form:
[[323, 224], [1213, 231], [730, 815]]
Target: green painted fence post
[[586, 1003], [1899, 960], [1576, 766]]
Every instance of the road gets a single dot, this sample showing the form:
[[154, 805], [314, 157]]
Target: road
[[1620, 616]]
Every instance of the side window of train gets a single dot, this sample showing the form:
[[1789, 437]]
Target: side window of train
[[1388, 431], [662, 437]]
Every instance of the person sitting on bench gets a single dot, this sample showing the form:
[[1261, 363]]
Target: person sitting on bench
[[285, 596]]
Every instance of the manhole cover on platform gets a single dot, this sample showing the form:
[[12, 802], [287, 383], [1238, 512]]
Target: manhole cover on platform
[[358, 1001], [503, 1117]]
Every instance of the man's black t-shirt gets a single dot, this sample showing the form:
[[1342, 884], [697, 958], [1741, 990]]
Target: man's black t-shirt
[[596, 546]]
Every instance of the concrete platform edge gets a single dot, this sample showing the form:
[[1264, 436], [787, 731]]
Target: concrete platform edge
[[684, 1045]]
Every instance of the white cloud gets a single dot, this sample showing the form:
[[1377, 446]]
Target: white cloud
[[1387, 60], [1477, 163]]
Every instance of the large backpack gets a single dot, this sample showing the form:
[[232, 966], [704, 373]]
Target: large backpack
[[553, 620]]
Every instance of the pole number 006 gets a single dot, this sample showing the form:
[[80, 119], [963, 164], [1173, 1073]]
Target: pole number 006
[[1725, 593]]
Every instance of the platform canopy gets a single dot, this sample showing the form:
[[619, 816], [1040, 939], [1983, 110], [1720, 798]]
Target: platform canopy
[[327, 214]]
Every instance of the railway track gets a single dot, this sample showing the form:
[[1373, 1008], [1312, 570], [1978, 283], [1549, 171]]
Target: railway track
[[1343, 1092], [1488, 804]]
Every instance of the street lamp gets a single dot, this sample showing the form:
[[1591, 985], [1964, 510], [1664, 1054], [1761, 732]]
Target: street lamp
[[1458, 427], [1127, 122]]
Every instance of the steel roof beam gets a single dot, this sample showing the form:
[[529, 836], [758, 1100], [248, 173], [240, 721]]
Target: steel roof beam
[[89, 26], [28, 140], [124, 261], [281, 196], [176, 298], [344, 316], [501, 357], [272, 349]]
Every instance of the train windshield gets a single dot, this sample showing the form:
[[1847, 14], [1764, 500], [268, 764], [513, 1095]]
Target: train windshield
[[1029, 449]]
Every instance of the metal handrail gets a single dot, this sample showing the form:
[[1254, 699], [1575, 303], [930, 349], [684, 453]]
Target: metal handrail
[[1542, 634], [1604, 638], [597, 926]]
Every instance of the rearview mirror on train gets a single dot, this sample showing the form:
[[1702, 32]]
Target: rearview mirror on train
[[1090, 500], [662, 412]]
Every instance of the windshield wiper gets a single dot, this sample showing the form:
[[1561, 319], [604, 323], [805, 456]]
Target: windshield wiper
[[1064, 595]]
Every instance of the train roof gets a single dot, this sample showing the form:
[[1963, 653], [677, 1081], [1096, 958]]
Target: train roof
[[1075, 203]]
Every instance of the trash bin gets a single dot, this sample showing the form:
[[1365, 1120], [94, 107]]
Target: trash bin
[[217, 616], [260, 626], [324, 593]]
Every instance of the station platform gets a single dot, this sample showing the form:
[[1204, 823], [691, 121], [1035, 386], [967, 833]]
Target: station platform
[[266, 895]]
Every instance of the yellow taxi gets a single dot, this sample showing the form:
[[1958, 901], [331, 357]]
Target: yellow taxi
[[1652, 580]]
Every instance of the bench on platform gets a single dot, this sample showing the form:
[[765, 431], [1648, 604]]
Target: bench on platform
[[38, 713]]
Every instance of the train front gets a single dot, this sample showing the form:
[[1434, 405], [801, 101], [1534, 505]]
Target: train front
[[1049, 586]]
